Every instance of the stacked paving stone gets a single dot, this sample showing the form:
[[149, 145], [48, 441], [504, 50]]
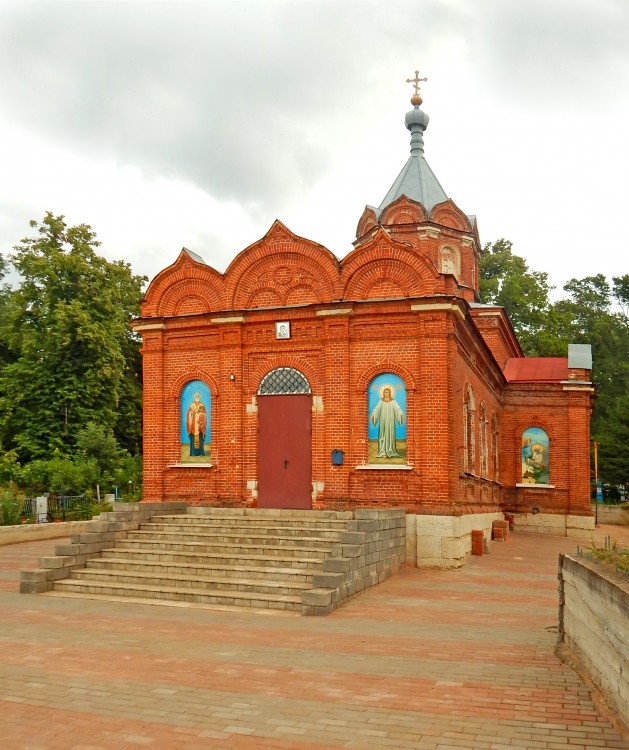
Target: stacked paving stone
[[307, 561]]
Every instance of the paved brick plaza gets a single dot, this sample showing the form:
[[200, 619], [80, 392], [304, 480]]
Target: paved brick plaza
[[427, 660]]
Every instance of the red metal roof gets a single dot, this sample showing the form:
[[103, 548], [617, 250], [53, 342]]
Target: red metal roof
[[536, 369]]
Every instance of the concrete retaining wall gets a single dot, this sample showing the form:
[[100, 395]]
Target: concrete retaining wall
[[616, 515], [372, 549], [33, 532], [594, 624]]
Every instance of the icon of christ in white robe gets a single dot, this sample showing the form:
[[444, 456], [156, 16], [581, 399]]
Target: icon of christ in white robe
[[385, 415]]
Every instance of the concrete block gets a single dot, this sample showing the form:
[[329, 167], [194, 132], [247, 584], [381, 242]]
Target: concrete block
[[428, 546], [580, 522], [56, 562], [34, 576], [579, 533], [317, 598], [351, 550], [57, 574], [370, 525], [336, 565], [328, 580], [313, 611], [353, 537], [67, 549], [27, 587]]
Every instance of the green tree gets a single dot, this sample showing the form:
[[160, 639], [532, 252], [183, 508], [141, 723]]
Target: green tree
[[592, 311], [505, 280], [72, 358]]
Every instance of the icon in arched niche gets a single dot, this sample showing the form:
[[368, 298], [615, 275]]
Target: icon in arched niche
[[535, 455], [387, 420], [196, 411]]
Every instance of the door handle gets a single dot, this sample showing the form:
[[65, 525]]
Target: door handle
[[286, 464]]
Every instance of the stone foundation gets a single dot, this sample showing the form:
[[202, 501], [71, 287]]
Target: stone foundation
[[444, 541], [579, 527]]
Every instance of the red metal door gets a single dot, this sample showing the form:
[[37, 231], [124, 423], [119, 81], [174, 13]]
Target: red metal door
[[284, 451]]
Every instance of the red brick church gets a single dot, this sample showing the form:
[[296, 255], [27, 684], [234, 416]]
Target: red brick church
[[298, 380]]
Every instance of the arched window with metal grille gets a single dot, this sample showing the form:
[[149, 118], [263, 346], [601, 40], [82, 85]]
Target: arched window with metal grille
[[284, 381]]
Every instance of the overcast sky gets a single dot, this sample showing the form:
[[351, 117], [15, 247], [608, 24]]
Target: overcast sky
[[171, 124]]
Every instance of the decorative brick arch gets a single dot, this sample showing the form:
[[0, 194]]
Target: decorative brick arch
[[177, 385], [522, 424], [264, 297], [187, 296], [448, 214], [383, 262], [291, 267], [186, 278], [385, 365], [387, 277], [403, 210], [469, 428]]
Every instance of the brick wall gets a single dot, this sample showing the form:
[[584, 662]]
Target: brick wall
[[385, 308]]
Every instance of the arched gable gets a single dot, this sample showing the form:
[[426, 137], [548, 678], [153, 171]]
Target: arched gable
[[403, 210], [448, 214], [281, 269], [367, 222], [187, 286], [383, 268]]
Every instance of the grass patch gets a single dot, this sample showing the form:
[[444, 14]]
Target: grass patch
[[612, 554]]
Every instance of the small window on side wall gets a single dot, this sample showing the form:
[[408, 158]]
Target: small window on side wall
[[195, 420], [535, 456]]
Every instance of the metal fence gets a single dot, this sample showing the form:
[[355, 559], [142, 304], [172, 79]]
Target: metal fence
[[57, 508]]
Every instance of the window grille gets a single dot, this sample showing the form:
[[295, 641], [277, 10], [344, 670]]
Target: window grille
[[283, 381]]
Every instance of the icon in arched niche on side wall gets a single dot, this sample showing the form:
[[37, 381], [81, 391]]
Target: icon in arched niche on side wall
[[196, 412], [535, 456], [387, 420]]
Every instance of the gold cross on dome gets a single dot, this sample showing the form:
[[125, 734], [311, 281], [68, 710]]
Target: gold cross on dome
[[416, 81]]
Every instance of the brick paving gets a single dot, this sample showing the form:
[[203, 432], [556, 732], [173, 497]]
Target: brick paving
[[429, 660]]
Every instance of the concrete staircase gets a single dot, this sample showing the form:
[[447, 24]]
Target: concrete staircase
[[265, 560]]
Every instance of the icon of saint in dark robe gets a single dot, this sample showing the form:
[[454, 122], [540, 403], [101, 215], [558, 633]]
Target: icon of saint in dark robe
[[196, 425]]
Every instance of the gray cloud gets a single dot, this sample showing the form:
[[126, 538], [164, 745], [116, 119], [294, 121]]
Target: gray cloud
[[247, 100]]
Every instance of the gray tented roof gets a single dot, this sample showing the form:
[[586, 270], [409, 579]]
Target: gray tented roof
[[416, 181]]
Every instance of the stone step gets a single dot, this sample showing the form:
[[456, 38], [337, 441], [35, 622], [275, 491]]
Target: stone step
[[173, 603], [173, 593], [270, 514], [200, 582], [253, 560], [244, 529], [236, 537], [225, 548], [199, 557], [252, 521], [217, 569]]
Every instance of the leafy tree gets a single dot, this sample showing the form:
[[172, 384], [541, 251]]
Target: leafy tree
[[592, 311], [72, 357], [505, 280]]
